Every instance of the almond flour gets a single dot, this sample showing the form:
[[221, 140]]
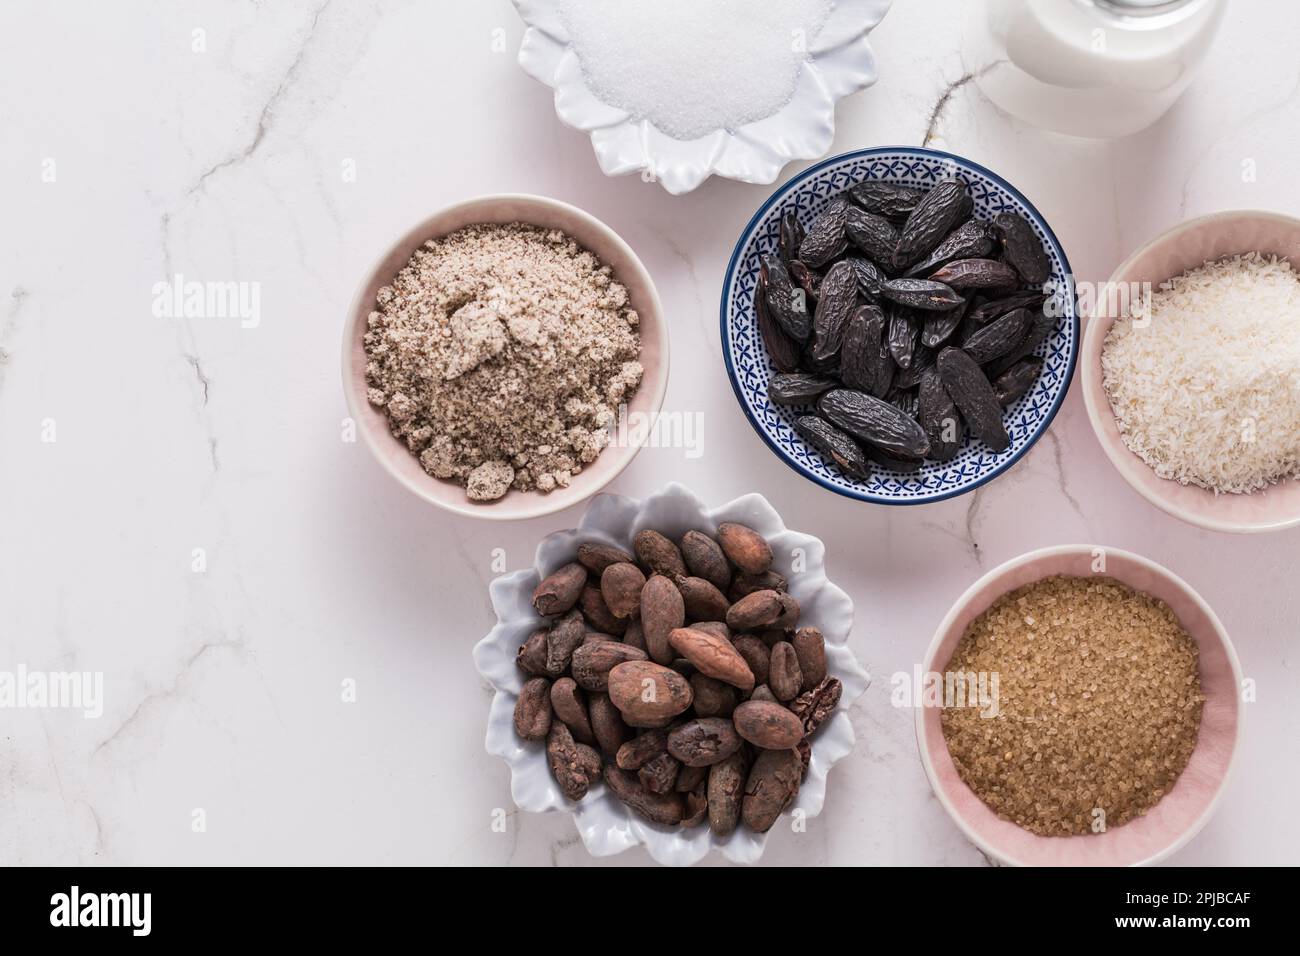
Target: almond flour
[[500, 354], [1099, 705]]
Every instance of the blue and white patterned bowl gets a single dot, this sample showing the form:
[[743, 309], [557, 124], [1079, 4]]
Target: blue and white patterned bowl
[[750, 369]]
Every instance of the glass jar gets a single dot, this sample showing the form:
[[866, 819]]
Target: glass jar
[[1097, 68]]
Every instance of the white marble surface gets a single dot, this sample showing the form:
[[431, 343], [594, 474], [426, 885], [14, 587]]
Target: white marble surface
[[222, 688]]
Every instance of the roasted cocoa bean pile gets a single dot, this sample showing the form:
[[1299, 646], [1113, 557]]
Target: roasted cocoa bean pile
[[680, 676], [898, 323]]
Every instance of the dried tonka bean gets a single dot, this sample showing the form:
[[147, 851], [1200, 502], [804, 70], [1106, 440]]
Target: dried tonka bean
[[875, 421], [780, 347], [923, 294], [939, 417], [807, 280], [839, 297], [798, 388], [976, 274], [790, 237], [870, 277], [836, 445], [824, 239], [874, 235], [973, 395], [929, 223], [986, 312], [1022, 248], [886, 199], [970, 240], [1012, 384], [1000, 337], [786, 302], [1039, 332], [903, 337], [940, 326]]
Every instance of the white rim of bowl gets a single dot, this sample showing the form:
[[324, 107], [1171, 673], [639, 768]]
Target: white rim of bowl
[[1097, 416], [927, 664], [544, 504]]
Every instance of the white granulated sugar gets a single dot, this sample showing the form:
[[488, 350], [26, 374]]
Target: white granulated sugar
[[1208, 391], [691, 67]]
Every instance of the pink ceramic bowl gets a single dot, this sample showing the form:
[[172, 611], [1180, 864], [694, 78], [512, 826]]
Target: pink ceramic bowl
[[593, 235], [1186, 247], [1171, 823]]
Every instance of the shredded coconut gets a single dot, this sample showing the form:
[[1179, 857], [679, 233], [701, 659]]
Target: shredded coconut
[[501, 354], [1205, 384]]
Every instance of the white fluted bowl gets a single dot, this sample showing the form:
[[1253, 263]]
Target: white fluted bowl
[[839, 62], [604, 823]]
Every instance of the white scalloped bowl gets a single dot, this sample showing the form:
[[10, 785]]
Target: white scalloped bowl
[[840, 61], [607, 826]]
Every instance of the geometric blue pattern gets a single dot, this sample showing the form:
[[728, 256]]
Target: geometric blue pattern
[[750, 369]]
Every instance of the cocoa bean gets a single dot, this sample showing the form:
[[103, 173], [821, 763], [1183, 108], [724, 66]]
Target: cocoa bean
[[570, 705], [810, 648], [743, 584], [565, 637], [713, 656], [573, 765], [716, 628], [596, 556], [703, 741], [606, 723], [531, 658], [789, 616], [659, 554], [758, 610], [592, 662], [713, 698], [559, 590], [744, 547], [703, 601], [620, 586], [597, 612], [785, 677], [726, 791], [667, 809], [645, 691], [767, 725], [660, 774], [756, 655], [533, 709], [592, 637], [763, 692], [814, 706], [689, 778], [772, 785], [634, 636], [640, 750], [662, 611], [696, 809], [705, 559]]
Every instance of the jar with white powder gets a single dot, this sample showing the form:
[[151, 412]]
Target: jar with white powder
[[1095, 68]]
